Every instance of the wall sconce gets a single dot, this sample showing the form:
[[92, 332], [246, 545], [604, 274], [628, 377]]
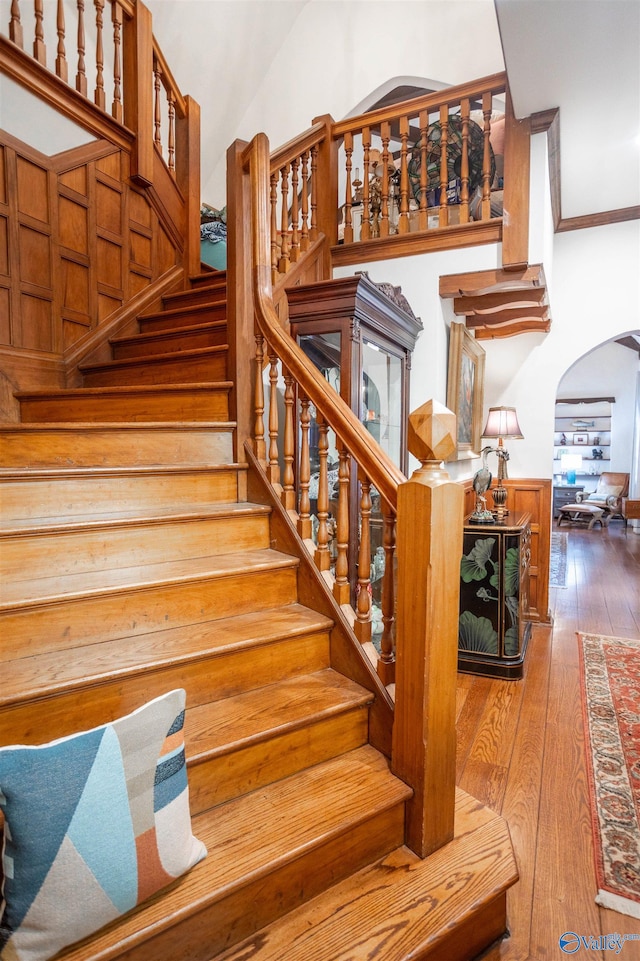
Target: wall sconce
[[569, 464], [502, 422]]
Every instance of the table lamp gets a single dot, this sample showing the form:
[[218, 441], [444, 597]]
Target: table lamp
[[569, 464], [502, 422]]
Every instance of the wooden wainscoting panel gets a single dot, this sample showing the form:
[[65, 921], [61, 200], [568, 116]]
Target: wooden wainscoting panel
[[5, 313], [73, 230], [109, 206], [75, 179], [36, 321], [33, 189], [4, 246], [3, 176]]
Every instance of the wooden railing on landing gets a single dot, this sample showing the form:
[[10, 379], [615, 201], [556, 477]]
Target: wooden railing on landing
[[107, 58], [416, 176]]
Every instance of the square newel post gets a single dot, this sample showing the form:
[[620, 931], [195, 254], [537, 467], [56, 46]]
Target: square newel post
[[429, 548]]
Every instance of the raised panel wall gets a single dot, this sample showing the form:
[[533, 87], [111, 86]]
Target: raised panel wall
[[75, 245]]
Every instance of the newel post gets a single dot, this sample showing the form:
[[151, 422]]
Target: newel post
[[138, 90], [429, 548], [240, 309]]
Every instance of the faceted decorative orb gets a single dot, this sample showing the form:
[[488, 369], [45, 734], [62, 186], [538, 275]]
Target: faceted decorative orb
[[432, 432]]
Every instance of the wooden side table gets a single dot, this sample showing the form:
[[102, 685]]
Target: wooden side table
[[630, 510]]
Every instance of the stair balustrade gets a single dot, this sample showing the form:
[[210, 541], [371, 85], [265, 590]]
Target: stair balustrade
[[428, 558]]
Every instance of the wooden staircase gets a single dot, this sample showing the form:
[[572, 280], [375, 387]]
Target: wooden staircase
[[133, 562]]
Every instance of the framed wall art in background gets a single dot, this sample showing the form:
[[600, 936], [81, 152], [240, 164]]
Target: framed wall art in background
[[581, 439], [465, 390]]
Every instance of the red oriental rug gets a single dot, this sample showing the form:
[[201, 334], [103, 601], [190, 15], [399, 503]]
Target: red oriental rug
[[611, 705]]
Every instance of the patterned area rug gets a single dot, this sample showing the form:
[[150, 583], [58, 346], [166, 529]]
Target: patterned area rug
[[558, 562], [611, 705]]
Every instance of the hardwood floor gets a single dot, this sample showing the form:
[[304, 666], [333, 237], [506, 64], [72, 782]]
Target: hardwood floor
[[521, 751]]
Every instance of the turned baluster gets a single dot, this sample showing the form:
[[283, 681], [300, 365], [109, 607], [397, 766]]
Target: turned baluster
[[348, 198], [288, 486], [464, 166], [273, 201], [314, 192], [423, 221], [365, 225], [99, 96], [304, 514], [81, 75], [16, 33], [444, 166], [295, 212], [39, 47], [273, 468], [171, 137], [116, 19], [384, 200], [486, 156], [304, 231], [341, 586], [362, 626], [386, 664], [284, 263], [322, 556], [403, 221], [258, 402], [157, 111], [62, 67]]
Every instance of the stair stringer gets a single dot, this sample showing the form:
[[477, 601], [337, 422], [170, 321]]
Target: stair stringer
[[347, 655]]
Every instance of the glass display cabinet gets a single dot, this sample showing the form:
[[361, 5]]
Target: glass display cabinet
[[360, 335]]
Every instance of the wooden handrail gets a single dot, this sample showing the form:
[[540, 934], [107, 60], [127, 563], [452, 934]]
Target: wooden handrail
[[380, 469], [293, 148], [495, 83]]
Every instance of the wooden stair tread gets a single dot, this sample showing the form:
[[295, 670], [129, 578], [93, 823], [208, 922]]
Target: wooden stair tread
[[151, 335], [46, 590], [168, 357], [50, 525], [218, 306], [53, 672], [252, 836], [60, 473], [130, 389], [400, 907], [220, 727]]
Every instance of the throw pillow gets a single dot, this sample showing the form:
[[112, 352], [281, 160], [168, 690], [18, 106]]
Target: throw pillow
[[94, 823], [605, 491]]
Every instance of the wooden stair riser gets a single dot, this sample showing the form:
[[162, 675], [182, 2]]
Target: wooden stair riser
[[191, 338], [210, 677], [122, 446], [62, 553], [219, 779], [450, 905], [199, 367], [206, 294], [200, 937], [188, 402], [208, 278], [52, 496], [69, 622], [185, 316]]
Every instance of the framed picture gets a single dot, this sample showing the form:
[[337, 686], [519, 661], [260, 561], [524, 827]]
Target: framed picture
[[465, 390], [580, 438]]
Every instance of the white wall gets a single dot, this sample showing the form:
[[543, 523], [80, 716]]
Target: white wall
[[333, 53]]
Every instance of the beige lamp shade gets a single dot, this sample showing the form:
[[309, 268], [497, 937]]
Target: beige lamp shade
[[502, 422]]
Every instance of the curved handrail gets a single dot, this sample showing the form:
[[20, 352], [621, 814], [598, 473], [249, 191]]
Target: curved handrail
[[379, 468]]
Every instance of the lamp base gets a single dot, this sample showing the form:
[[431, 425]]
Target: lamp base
[[571, 477], [500, 502]]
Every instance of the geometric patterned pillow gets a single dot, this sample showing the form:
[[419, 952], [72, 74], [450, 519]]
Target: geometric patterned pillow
[[94, 824]]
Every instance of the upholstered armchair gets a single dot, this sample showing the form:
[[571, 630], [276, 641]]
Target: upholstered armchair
[[612, 487]]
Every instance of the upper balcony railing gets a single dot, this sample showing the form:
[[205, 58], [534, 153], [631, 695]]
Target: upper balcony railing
[[435, 172]]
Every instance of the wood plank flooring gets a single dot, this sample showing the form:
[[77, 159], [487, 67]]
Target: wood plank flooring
[[521, 752]]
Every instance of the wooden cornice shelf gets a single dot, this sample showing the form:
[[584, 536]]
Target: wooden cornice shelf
[[499, 302]]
